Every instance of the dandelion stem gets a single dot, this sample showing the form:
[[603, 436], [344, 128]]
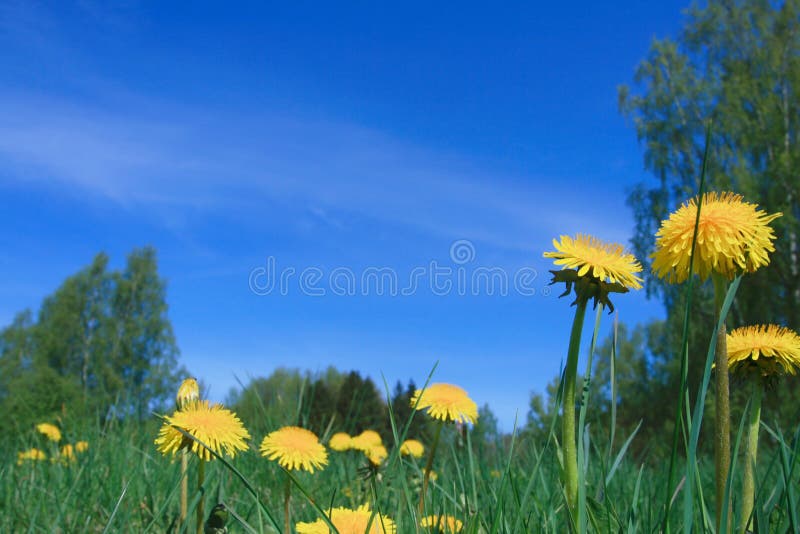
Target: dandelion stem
[[428, 467], [184, 486], [568, 442], [749, 479], [287, 496], [201, 478], [722, 427]]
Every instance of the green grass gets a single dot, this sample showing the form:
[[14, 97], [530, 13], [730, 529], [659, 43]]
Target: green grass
[[123, 485]]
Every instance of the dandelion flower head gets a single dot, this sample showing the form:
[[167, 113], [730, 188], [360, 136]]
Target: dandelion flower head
[[376, 454], [218, 428], [732, 236], [30, 455], [770, 349], [68, 452], [444, 523], [341, 441], [607, 262], [446, 402], [295, 448], [412, 447], [349, 521], [366, 440], [51, 431]]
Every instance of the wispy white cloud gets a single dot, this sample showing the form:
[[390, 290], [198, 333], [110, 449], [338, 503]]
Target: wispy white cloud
[[109, 142], [173, 158]]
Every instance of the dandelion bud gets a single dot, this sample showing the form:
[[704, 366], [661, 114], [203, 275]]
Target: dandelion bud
[[215, 524], [188, 393]]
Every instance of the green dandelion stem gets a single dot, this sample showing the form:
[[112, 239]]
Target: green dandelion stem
[[568, 442], [429, 467], [184, 486], [722, 427], [749, 479], [287, 496], [201, 478]]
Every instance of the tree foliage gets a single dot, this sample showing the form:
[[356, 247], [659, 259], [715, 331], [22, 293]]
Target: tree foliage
[[102, 343], [736, 63]]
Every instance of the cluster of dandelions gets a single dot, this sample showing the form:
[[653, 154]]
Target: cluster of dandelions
[[370, 444], [65, 454], [718, 236], [209, 430], [731, 237]]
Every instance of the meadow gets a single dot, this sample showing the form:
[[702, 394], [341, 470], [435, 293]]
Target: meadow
[[198, 468], [121, 483]]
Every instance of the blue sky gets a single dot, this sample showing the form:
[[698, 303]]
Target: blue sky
[[350, 137]]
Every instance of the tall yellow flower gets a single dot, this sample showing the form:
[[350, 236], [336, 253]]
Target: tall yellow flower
[[295, 448], [732, 236], [349, 521], [607, 262], [218, 428], [188, 392], [30, 455], [51, 431], [759, 352], [366, 440], [770, 349], [595, 269], [412, 447], [446, 402], [443, 523], [82, 446], [340, 441]]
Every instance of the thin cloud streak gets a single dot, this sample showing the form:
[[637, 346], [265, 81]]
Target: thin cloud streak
[[188, 160]]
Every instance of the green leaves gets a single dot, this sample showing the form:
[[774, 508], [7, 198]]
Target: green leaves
[[102, 340]]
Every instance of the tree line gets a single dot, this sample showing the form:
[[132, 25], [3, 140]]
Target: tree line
[[334, 401], [100, 345]]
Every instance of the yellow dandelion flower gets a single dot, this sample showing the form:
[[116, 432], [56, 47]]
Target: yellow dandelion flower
[[82, 446], [31, 455], [349, 521], [770, 349], [366, 440], [444, 523], [295, 448], [51, 431], [68, 452], [446, 402], [188, 392], [340, 442], [219, 428], [376, 454], [732, 236], [607, 262], [412, 447]]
